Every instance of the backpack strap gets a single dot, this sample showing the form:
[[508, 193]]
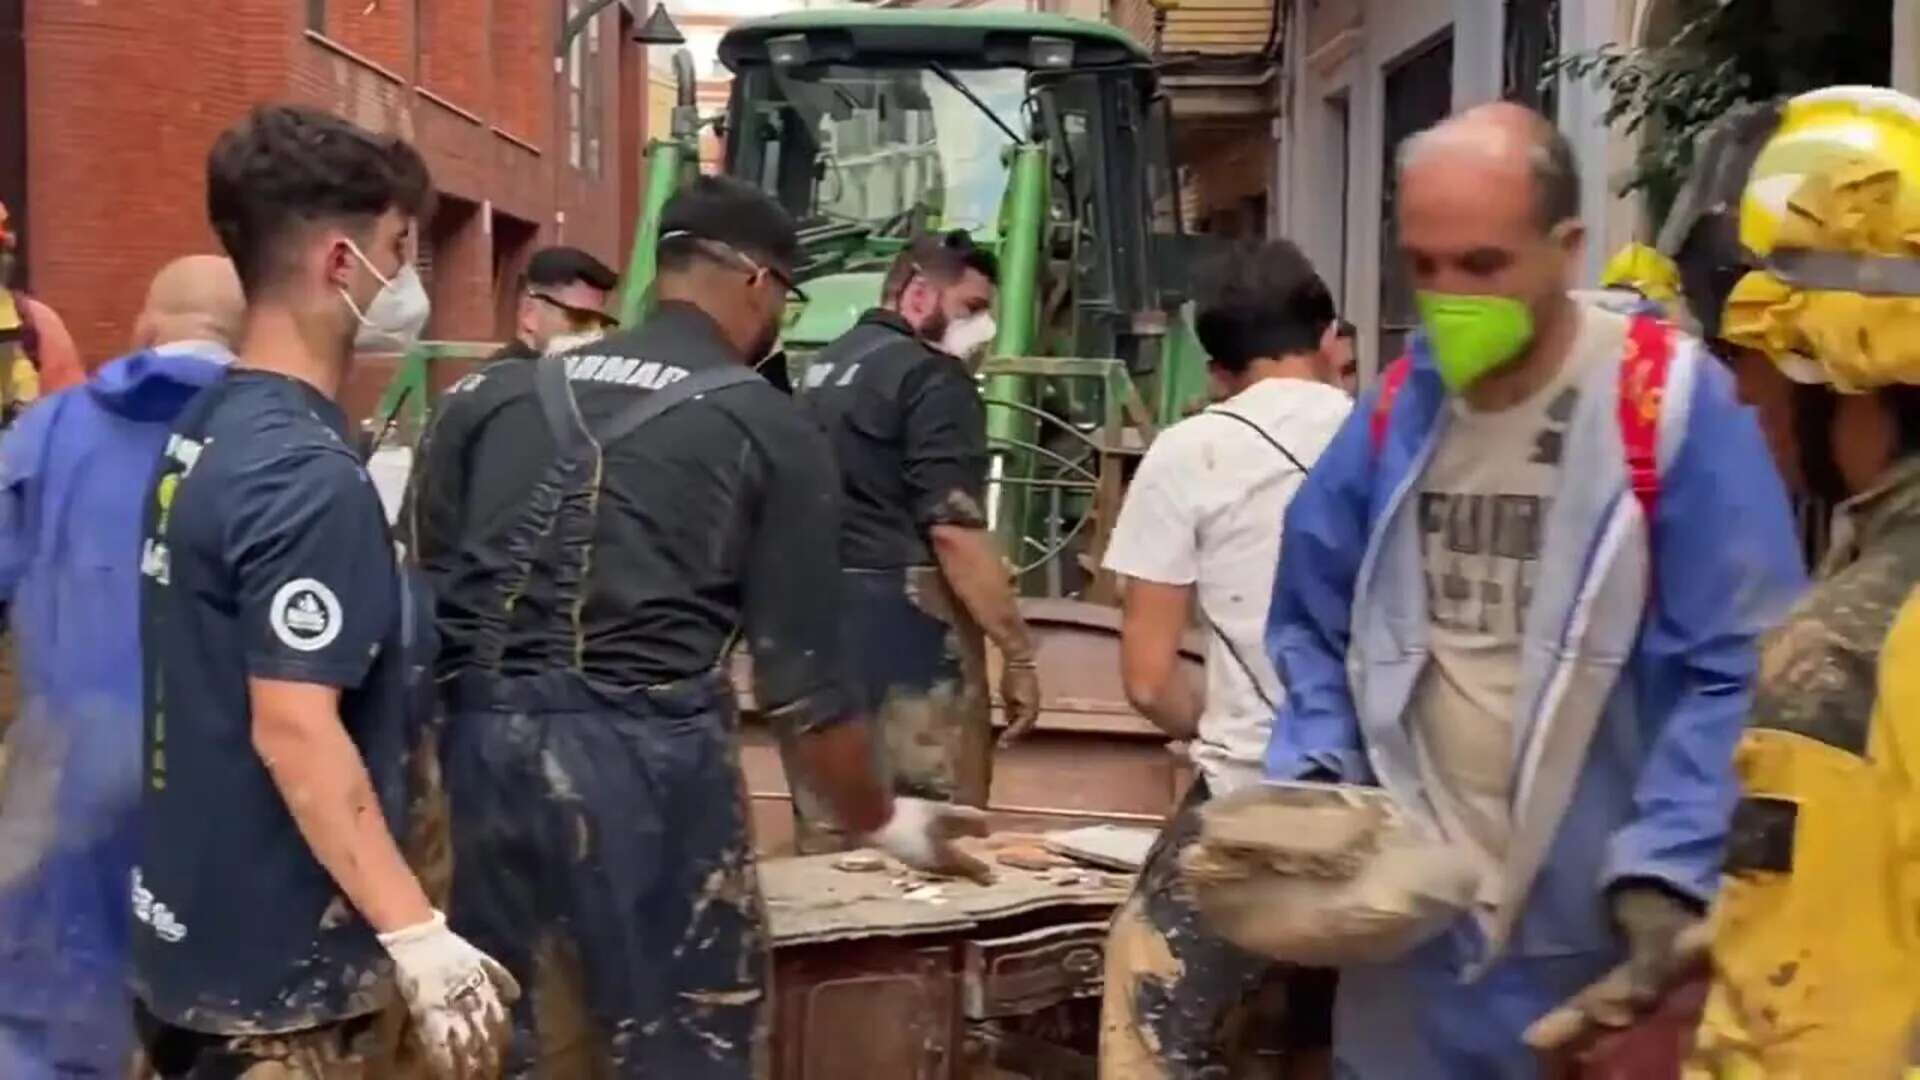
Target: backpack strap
[[1257, 430], [1643, 383], [1390, 382]]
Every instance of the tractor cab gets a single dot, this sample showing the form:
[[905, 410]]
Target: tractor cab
[[1047, 139], [875, 126]]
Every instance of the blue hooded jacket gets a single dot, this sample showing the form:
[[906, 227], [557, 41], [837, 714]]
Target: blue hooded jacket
[[74, 471], [1639, 653]]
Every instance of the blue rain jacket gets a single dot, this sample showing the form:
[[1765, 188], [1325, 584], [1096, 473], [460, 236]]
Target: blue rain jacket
[[1639, 653], [74, 472]]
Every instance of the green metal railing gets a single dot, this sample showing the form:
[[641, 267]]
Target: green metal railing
[[1046, 502]]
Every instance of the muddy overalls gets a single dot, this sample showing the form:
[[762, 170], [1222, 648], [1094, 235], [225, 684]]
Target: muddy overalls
[[601, 829]]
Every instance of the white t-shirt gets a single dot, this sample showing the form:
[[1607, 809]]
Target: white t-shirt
[[1205, 509]]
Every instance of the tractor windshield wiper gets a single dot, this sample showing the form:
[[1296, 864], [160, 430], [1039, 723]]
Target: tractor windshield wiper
[[953, 80]]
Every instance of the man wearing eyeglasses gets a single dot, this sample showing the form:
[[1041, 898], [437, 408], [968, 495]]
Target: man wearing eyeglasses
[[564, 292], [629, 508]]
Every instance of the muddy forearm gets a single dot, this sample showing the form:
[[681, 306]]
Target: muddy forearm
[[970, 561], [320, 774], [839, 761]]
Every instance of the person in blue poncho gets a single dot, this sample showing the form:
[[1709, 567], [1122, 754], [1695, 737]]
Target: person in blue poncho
[[73, 476]]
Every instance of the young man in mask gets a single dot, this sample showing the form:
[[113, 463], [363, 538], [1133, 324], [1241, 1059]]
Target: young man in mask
[[1196, 537], [631, 509], [1521, 591], [922, 575], [274, 914]]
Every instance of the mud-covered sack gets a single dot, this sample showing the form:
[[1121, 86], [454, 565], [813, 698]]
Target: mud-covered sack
[[1323, 875]]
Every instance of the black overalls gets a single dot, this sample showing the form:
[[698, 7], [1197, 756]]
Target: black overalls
[[598, 824]]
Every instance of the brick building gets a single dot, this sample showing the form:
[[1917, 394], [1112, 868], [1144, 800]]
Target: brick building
[[123, 100]]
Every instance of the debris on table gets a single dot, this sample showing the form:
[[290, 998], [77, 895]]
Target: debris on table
[[932, 894], [1113, 847], [812, 899]]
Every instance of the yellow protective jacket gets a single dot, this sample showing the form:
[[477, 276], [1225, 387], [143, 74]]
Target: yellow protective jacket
[[1817, 927]]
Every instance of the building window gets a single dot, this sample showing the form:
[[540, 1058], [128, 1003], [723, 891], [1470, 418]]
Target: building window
[[1532, 42], [317, 16], [585, 98], [1419, 94]]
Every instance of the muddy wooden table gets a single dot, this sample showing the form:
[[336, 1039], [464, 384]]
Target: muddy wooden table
[[882, 975]]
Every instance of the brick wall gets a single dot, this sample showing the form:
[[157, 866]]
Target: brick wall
[[456, 53], [124, 100], [523, 67], [118, 131], [380, 30]]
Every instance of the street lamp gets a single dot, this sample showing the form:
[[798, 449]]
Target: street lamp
[[657, 30]]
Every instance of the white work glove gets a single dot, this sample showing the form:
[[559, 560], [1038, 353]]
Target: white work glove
[[458, 996], [921, 833]]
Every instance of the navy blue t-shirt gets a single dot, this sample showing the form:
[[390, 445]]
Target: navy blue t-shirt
[[266, 555]]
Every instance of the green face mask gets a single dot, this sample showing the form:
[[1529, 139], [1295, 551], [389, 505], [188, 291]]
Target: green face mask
[[1473, 335]]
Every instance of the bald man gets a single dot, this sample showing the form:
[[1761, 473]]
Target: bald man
[[1571, 540], [73, 475]]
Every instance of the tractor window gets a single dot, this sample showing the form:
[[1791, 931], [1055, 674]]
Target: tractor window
[[892, 149], [1163, 184]]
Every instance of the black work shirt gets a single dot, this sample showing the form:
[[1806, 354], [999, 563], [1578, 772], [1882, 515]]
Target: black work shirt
[[718, 513], [910, 435], [266, 555]]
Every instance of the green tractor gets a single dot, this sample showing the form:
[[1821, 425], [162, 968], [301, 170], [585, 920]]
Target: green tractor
[[1048, 139]]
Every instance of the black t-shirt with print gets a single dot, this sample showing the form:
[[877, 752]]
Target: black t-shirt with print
[[909, 433]]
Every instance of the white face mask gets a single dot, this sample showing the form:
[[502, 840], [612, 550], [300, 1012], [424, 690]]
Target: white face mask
[[398, 313], [967, 336], [560, 343]]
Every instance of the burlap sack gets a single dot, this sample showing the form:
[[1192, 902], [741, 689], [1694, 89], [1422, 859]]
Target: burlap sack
[[1323, 875]]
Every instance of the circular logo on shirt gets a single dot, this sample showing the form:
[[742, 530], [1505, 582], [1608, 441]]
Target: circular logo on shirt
[[305, 615]]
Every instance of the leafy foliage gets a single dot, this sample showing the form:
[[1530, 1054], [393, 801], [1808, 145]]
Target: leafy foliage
[[1724, 52]]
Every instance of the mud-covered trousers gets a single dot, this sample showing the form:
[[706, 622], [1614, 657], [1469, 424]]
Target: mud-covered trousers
[[615, 832], [919, 674], [1183, 1004]]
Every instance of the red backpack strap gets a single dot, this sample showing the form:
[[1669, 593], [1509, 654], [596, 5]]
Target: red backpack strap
[[1643, 384], [1390, 382]]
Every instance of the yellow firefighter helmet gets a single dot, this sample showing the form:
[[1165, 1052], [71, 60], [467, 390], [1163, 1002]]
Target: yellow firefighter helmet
[[1830, 216]]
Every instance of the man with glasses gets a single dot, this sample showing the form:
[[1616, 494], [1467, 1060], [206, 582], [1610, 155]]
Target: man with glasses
[[634, 507], [564, 292], [922, 574], [563, 295]]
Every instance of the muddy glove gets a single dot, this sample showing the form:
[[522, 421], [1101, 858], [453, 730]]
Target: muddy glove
[[457, 995], [921, 833], [1651, 917], [1020, 693]]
